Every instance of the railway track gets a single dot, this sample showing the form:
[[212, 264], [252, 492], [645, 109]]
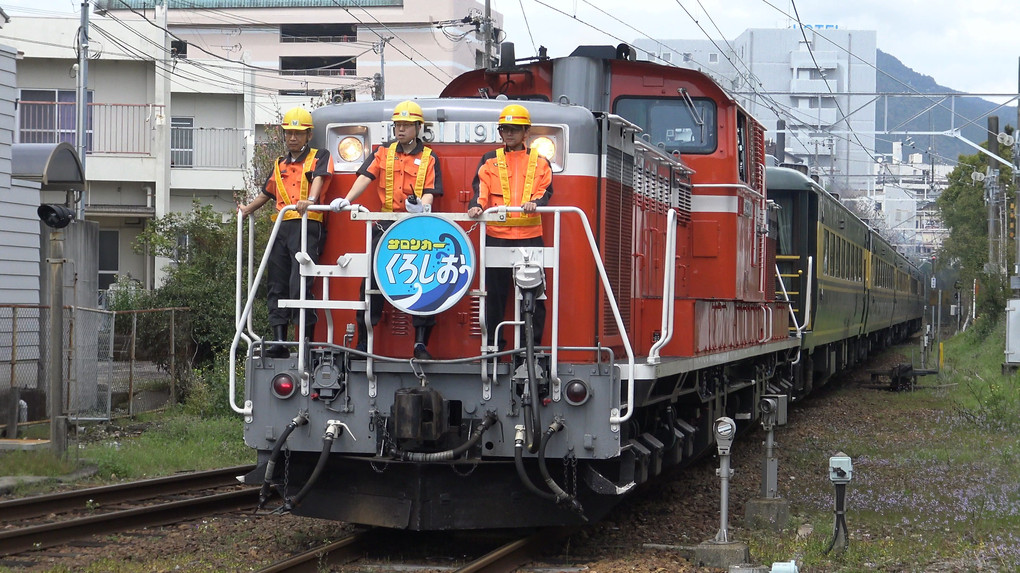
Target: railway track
[[507, 557], [104, 517]]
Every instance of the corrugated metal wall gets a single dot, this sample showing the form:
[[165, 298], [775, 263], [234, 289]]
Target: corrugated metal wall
[[19, 225]]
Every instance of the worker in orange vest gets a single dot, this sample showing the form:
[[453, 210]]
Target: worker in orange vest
[[513, 176], [298, 179], [407, 175]]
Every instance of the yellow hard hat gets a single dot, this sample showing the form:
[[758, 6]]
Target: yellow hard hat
[[408, 111], [514, 114], [297, 118]]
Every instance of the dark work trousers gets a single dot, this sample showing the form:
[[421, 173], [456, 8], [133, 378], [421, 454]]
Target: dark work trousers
[[285, 272], [377, 299], [499, 282]]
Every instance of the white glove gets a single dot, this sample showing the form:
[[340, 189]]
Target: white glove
[[416, 207], [338, 204]]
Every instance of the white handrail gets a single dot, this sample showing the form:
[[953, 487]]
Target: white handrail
[[668, 290], [242, 320], [786, 296], [615, 416]]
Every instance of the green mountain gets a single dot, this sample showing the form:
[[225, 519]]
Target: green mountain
[[913, 114]]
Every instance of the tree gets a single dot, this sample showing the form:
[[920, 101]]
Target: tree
[[201, 275], [965, 213]]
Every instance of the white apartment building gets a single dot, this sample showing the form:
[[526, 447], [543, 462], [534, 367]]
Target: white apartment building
[[905, 194], [178, 96], [819, 81]]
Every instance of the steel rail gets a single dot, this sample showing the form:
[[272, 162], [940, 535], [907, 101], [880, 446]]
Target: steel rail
[[338, 552], [36, 506], [509, 557], [51, 534]]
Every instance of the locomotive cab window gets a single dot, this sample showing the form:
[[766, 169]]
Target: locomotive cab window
[[673, 122]]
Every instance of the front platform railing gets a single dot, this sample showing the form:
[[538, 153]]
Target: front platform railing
[[357, 265]]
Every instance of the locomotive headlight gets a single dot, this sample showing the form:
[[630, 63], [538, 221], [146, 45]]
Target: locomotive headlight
[[284, 385], [546, 147], [576, 392], [350, 149]]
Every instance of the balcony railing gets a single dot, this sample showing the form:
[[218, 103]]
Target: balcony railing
[[321, 72], [127, 129], [110, 128], [207, 147]]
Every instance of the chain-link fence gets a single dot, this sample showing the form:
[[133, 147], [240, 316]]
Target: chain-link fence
[[150, 357], [129, 361]]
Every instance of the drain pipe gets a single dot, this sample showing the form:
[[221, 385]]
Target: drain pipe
[[532, 414], [476, 436], [530, 279], [300, 420]]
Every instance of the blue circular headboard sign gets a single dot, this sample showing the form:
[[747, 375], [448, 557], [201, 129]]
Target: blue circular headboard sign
[[424, 264]]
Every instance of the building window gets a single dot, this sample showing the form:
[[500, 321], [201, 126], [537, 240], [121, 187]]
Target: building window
[[109, 257], [318, 66], [50, 116], [182, 141], [713, 58]]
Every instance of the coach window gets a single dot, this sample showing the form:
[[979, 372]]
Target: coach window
[[674, 122]]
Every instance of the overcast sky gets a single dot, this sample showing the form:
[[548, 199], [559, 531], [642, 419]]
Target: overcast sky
[[971, 46]]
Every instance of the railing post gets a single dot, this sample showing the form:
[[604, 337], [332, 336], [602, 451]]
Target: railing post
[[14, 342], [131, 366], [173, 361]]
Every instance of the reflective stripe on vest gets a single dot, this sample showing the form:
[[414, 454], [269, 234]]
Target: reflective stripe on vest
[[281, 189], [517, 219], [419, 182]]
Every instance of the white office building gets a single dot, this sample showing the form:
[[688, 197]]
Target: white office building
[[819, 81]]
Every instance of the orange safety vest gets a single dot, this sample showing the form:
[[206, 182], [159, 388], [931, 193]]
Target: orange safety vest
[[517, 219], [419, 182], [283, 199]]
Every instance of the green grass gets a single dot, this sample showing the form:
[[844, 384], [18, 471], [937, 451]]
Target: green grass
[[175, 440], [935, 483], [179, 442]]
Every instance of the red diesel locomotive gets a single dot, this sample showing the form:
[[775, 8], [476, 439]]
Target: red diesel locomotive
[[659, 273]]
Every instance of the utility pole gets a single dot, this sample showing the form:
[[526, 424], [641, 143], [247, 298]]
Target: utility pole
[[81, 98], [379, 83], [487, 32], [991, 188], [1016, 178]]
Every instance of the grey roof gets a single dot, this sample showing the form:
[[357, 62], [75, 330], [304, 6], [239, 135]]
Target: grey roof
[[55, 165]]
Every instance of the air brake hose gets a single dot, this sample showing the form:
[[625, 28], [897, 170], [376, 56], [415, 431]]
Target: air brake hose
[[530, 409], [476, 436], [519, 464], [300, 420], [560, 496], [333, 430]]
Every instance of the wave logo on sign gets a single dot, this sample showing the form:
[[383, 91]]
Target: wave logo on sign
[[424, 264]]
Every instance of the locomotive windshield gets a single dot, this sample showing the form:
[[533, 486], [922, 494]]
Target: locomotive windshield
[[673, 122]]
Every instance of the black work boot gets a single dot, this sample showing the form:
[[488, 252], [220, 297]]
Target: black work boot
[[278, 350], [362, 338], [421, 340]]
